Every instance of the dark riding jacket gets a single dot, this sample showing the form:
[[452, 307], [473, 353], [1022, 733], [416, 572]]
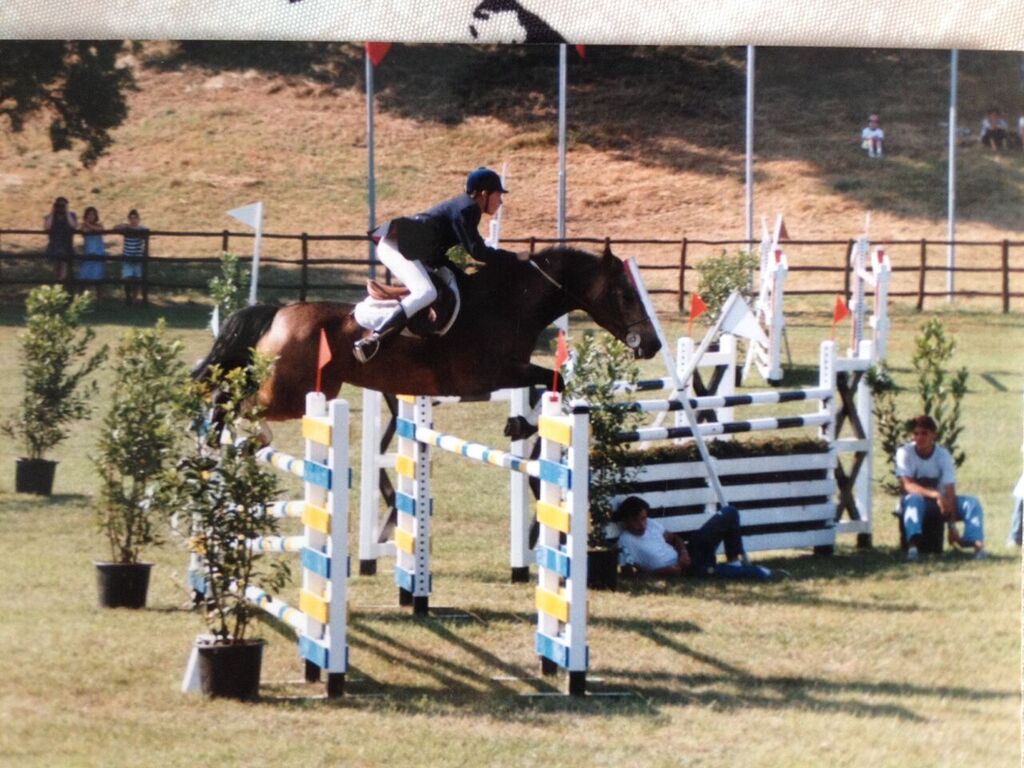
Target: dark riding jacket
[[427, 236]]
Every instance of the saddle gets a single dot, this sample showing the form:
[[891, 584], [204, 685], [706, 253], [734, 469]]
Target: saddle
[[434, 320]]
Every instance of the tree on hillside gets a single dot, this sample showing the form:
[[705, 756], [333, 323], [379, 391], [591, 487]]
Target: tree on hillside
[[77, 84]]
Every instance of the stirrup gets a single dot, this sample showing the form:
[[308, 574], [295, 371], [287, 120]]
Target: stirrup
[[365, 349]]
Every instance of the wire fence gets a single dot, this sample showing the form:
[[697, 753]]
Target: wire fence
[[305, 266]]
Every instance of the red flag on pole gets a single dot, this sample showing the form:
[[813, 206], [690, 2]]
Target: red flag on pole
[[561, 355], [323, 357], [582, 51], [841, 310], [377, 52], [697, 308]]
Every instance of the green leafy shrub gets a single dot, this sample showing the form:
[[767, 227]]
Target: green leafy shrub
[[940, 393], [56, 393], [599, 362], [138, 439], [719, 276], [225, 494], [228, 289]]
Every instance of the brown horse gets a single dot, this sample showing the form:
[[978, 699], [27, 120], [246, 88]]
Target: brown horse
[[504, 309]]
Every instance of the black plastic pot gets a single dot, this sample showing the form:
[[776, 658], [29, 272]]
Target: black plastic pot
[[34, 476], [603, 568], [231, 671], [122, 585]]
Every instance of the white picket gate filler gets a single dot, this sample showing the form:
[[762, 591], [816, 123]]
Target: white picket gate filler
[[870, 269], [562, 514], [768, 309], [321, 620], [785, 501]]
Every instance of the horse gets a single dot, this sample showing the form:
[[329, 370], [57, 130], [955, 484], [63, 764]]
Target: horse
[[504, 308]]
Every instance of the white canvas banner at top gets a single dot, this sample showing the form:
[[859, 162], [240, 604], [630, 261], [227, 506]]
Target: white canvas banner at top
[[973, 24]]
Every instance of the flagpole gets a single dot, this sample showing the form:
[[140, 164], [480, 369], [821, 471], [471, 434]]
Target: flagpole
[[371, 180], [749, 165], [256, 254], [562, 84], [951, 186]]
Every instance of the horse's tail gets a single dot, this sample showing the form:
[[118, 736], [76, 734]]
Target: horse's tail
[[238, 335]]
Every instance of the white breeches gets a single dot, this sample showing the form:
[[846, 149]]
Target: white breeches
[[412, 273]]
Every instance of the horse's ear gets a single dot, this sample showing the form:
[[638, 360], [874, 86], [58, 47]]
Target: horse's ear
[[607, 251]]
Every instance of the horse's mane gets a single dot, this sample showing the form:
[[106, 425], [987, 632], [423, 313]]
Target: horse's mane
[[553, 260]]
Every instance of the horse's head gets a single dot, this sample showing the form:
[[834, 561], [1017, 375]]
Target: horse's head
[[609, 296]]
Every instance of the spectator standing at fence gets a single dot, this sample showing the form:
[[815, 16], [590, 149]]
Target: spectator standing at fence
[[993, 131], [135, 250], [60, 225], [92, 269], [872, 138], [926, 474]]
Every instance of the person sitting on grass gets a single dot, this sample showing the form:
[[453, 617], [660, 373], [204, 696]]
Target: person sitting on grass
[[648, 547], [925, 472]]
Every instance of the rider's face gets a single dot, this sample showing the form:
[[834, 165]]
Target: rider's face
[[492, 202]]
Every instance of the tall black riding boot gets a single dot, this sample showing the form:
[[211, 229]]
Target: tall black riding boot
[[368, 346]]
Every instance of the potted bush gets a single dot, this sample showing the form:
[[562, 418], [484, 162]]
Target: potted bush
[[600, 362], [225, 493], [137, 439], [56, 393]]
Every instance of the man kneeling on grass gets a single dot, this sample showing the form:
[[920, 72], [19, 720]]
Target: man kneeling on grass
[[646, 545]]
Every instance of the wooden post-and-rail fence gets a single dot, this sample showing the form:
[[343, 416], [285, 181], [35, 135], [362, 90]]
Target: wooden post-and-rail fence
[[167, 251]]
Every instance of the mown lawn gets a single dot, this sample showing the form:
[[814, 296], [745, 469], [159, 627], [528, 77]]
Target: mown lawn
[[855, 660]]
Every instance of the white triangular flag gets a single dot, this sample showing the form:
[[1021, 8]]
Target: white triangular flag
[[250, 215], [738, 320]]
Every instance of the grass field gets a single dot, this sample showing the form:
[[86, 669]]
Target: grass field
[[855, 660]]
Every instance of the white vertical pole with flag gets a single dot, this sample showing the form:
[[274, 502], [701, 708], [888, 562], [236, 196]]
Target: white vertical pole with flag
[[375, 53], [951, 191], [252, 216], [562, 323], [749, 164]]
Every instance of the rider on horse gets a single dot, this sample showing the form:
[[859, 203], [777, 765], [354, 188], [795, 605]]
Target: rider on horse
[[408, 246]]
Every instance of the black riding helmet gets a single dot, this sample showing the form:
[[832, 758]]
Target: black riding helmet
[[483, 180]]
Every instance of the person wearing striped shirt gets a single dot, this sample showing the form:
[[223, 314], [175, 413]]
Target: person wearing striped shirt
[[133, 252]]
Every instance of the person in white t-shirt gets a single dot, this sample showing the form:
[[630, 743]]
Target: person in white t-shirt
[[872, 138], [926, 474], [645, 545]]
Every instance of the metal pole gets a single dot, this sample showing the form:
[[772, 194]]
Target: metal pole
[[562, 66], [253, 287], [371, 180], [750, 146], [951, 194]]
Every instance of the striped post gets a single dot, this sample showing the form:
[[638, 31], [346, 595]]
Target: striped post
[[414, 504], [562, 512], [520, 520]]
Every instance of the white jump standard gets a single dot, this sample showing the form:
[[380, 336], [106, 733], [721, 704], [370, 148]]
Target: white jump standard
[[562, 512]]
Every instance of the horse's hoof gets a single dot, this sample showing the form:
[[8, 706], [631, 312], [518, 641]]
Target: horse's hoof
[[364, 349]]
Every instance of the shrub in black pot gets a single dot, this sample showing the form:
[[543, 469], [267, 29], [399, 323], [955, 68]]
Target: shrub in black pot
[[137, 442], [223, 494], [56, 392], [600, 366]]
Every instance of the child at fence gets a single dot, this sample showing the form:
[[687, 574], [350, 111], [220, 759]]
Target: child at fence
[[133, 252], [926, 474], [60, 225], [92, 269], [646, 546]]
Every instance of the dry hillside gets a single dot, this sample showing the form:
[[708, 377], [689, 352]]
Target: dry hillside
[[656, 140]]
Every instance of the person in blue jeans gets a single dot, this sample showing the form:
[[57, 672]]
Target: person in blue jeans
[[646, 545], [926, 474]]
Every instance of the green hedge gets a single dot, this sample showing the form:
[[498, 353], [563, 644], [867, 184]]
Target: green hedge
[[728, 449]]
